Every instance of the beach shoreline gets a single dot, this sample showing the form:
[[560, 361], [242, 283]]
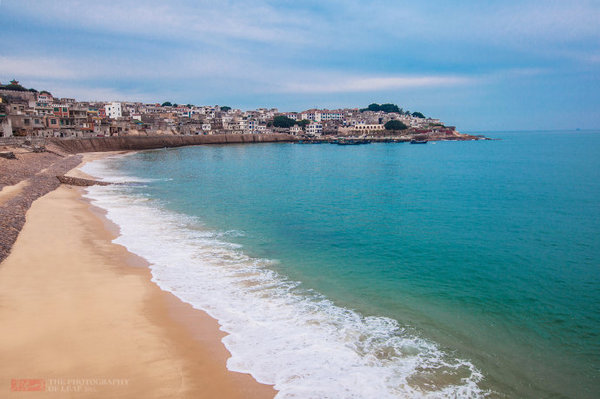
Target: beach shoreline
[[82, 317]]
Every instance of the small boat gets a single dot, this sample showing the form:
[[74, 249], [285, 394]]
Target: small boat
[[413, 141]]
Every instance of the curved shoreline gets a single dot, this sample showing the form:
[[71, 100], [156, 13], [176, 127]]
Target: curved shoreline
[[78, 306]]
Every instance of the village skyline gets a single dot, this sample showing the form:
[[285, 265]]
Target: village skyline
[[27, 112], [495, 66]]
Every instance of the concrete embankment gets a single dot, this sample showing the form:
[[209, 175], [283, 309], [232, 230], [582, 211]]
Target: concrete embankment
[[99, 144]]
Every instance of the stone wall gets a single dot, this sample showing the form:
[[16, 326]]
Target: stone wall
[[99, 144], [16, 141]]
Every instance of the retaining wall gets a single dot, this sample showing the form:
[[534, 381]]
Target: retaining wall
[[99, 144]]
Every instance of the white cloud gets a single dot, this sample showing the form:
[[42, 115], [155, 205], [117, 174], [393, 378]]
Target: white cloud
[[107, 67], [330, 84], [197, 21], [83, 92], [26, 67]]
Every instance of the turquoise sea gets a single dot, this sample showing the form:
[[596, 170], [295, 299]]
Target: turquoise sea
[[451, 269]]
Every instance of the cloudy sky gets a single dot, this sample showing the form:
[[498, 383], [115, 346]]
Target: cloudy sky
[[481, 65]]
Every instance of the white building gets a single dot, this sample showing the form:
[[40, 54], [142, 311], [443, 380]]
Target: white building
[[113, 110], [328, 115], [295, 130], [312, 115], [314, 129]]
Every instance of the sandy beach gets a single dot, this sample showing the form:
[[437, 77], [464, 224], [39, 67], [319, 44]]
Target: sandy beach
[[81, 318]]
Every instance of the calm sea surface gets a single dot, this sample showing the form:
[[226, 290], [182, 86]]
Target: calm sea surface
[[452, 269]]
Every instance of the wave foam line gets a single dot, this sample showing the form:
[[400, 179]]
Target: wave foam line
[[297, 340]]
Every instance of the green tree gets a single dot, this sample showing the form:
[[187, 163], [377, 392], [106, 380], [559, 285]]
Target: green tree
[[283, 121], [418, 115], [167, 104], [303, 123], [225, 108], [372, 107], [389, 108], [395, 125], [383, 107]]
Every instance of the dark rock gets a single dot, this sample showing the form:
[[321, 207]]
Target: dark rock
[[77, 181]]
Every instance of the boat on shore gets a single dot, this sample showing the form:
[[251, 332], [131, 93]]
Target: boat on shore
[[414, 141]]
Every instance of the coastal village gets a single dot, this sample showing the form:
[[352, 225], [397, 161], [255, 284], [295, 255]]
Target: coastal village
[[29, 113]]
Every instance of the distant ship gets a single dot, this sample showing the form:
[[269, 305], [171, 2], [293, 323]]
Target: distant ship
[[413, 141]]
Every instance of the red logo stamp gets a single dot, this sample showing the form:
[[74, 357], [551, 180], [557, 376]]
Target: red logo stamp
[[27, 384]]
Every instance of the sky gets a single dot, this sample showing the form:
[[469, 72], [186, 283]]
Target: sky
[[479, 65]]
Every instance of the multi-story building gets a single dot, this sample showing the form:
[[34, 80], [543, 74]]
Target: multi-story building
[[314, 129], [113, 110], [328, 115], [45, 98]]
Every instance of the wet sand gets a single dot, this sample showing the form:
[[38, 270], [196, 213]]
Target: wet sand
[[80, 315]]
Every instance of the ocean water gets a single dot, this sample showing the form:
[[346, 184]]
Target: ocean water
[[452, 269]]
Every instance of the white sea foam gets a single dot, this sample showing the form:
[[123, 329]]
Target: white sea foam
[[295, 339], [102, 171]]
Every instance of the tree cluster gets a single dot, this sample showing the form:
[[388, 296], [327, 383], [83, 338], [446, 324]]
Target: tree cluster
[[16, 87], [382, 107], [283, 121], [387, 108], [395, 125], [303, 123]]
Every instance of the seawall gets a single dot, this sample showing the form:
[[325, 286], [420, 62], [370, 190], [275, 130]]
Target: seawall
[[99, 144]]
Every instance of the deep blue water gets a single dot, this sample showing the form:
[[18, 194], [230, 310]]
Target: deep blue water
[[490, 249]]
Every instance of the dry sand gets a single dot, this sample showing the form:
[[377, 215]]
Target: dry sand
[[80, 314], [9, 192]]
